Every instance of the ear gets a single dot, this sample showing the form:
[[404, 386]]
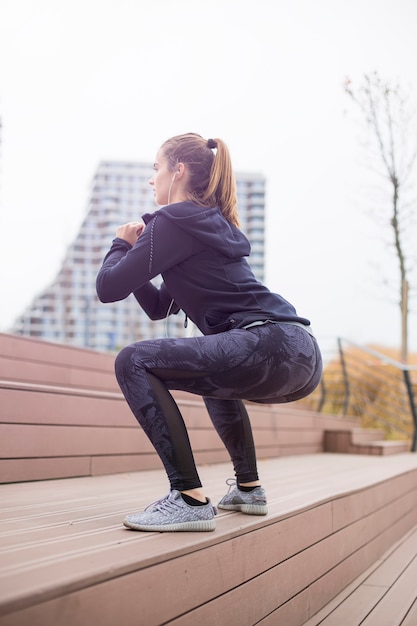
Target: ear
[[180, 170]]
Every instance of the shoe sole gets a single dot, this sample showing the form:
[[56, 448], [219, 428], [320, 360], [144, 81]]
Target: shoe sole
[[198, 526], [249, 509]]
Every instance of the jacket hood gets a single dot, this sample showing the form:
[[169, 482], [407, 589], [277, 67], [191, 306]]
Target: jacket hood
[[208, 225]]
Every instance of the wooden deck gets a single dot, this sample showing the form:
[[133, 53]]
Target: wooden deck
[[66, 559], [384, 595], [338, 545]]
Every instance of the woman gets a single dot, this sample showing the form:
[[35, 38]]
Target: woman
[[253, 346]]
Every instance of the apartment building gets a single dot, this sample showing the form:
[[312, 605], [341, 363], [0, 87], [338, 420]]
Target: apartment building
[[68, 311]]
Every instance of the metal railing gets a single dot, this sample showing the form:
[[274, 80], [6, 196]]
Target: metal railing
[[360, 382]]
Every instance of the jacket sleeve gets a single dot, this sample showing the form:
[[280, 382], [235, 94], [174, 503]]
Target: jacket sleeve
[[126, 269], [156, 302]]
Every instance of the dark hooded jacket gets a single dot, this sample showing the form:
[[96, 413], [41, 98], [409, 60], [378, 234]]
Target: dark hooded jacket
[[202, 260]]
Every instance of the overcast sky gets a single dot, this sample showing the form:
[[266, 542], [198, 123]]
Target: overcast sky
[[86, 80]]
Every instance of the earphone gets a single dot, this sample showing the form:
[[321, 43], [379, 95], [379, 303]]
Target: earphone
[[172, 182]]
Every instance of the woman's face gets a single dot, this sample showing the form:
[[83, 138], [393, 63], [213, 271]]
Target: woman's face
[[162, 180]]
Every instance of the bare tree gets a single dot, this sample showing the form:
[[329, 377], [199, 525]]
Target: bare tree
[[390, 121]]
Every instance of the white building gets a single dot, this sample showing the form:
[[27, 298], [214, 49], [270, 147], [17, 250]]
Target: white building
[[69, 311]]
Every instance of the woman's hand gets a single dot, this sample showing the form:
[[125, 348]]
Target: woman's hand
[[130, 231]]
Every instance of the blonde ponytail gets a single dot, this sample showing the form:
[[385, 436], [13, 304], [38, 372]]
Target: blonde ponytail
[[211, 177], [222, 183]]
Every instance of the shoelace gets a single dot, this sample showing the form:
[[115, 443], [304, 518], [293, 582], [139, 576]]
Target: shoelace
[[231, 482], [163, 504], [167, 505]]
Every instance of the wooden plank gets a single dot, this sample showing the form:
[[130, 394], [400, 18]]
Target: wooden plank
[[267, 452], [60, 374], [111, 464], [360, 597], [334, 612], [18, 470], [26, 440], [395, 563], [358, 505], [400, 591], [411, 618], [355, 609], [287, 437], [17, 347], [395, 604], [63, 409]]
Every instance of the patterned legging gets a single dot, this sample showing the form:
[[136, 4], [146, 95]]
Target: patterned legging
[[273, 363]]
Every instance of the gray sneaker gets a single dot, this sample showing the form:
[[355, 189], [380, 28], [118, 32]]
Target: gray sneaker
[[171, 513], [250, 502]]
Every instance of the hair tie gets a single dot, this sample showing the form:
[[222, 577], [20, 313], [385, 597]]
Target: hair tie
[[211, 144]]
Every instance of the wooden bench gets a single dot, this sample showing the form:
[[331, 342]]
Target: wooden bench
[[62, 414]]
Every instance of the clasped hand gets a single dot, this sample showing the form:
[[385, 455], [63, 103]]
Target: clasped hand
[[130, 231]]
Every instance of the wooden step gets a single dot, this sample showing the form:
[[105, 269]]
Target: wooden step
[[361, 441], [63, 415], [384, 595], [66, 559]]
